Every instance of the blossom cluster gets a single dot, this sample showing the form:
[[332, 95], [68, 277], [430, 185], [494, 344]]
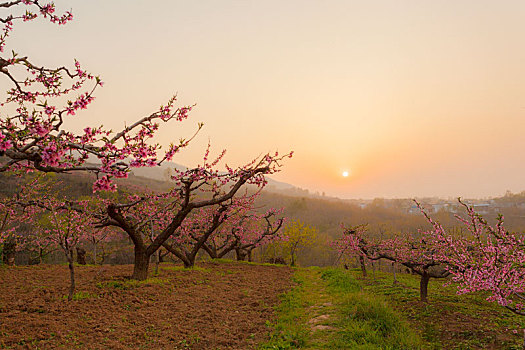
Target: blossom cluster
[[34, 137]]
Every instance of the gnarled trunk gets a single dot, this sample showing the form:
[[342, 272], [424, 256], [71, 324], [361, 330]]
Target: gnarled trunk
[[157, 261], [72, 281], [240, 254], [292, 255], [212, 252], [71, 266], [162, 257], [363, 266], [81, 256], [189, 263], [141, 266], [94, 253], [394, 271], [423, 286], [9, 251], [187, 257]]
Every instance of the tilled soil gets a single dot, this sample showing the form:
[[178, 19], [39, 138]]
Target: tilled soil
[[215, 306]]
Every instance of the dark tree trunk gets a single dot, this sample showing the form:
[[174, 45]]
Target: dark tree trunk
[[104, 256], [141, 266], [71, 275], [35, 260], [40, 255], [157, 261], [292, 254], [250, 255], [423, 286], [363, 266], [94, 253], [9, 253], [81, 256], [187, 257], [394, 271], [212, 252], [162, 257], [189, 263], [241, 255]]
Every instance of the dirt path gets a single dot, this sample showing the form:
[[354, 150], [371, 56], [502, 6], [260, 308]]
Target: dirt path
[[321, 314]]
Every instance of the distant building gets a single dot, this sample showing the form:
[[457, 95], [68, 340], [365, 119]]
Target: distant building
[[482, 208]]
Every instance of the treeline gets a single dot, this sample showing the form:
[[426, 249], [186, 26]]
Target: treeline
[[385, 218]]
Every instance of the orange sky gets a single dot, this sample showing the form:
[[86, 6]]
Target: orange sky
[[414, 98]]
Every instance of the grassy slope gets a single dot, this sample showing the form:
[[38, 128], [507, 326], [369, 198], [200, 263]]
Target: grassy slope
[[328, 310], [449, 320], [336, 309]]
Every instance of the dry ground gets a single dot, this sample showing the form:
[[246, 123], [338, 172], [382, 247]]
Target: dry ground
[[215, 306]]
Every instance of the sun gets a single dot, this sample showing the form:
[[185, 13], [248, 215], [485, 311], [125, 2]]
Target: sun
[[345, 173]]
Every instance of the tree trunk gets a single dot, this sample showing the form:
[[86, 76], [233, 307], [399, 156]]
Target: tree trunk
[[423, 286], [71, 275], [81, 256], [250, 255], [240, 254], [157, 262], [94, 253], [140, 268], [212, 252], [363, 266], [188, 258], [394, 271], [104, 256], [292, 254], [40, 255], [9, 253]]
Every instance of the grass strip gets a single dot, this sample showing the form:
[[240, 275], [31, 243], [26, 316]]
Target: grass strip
[[353, 318]]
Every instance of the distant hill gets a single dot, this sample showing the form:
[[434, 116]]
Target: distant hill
[[162, 173]]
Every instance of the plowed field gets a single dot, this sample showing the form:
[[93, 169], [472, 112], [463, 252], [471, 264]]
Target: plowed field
[[214, 306]]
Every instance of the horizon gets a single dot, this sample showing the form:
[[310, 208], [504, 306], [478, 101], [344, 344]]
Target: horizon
[[412, 99], [143, 172]]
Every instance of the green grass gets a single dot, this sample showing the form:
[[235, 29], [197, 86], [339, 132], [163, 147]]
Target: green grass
[[81, 296], [448, 320], [351, 318], [182, 268], [366, 321], [130, 284], [290, 330], [85, 265], [229, 261]]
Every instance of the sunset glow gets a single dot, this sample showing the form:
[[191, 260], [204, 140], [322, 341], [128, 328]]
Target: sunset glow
[[419, 98]]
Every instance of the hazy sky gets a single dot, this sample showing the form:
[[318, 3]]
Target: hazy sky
[[413, 98]]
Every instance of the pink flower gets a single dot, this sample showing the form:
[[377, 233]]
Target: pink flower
[[5, 144]]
